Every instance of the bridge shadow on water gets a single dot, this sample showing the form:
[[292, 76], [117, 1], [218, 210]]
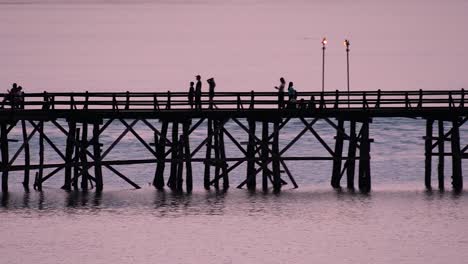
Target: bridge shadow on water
[[126, 203]]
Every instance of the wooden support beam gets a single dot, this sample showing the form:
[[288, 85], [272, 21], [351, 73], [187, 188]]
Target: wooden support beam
[[5, 155], [222, 154], [27, 156], [264, 153], [125, 178], [457, 177], [38, 180], [428, 160], [180, 164], [440, 167], [364, 160], [351, 162], [209, 136], [336, 174], [97, 158], [276, 157], [76, 168], [69, 149], [84, 158], [171, 183], [216, 133], [158, 180], [251, 175], [188, 161]]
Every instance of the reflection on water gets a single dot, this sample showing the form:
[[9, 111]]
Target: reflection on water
[[300, 226]]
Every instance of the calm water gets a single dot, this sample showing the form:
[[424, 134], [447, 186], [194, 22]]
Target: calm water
[[151, 45]]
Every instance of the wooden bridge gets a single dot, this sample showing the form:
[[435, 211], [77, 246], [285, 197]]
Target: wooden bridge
[[88, 116]]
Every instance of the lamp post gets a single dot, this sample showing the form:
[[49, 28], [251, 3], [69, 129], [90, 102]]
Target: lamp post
[[324, 43], [346, 43]]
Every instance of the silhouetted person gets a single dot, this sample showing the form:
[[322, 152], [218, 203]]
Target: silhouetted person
[[18, 97], [211, 92], [292, 95], [191, 94], [281, 93], [9, 97], [198, 92]]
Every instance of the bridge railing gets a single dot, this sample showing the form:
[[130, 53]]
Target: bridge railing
[[236, 100]]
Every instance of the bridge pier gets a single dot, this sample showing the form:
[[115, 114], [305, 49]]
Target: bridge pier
[[441, 150], [69, 149], [160, 144], [97, 158], [351, 162], [338, 154], [27, 155], [453, 136], [457, 179], [5, 155], [251, 175], [364, 159]]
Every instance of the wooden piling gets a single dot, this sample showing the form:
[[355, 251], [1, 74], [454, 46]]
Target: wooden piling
[[206, 178], [38, 181], [441, 148], [364, 159], [76, 159], [5, 155], [216, 152], [97, 158], [428, 154], [351, 155], [222, 153], [338, 153], [158, 180], [265, 149], [457, 179], [27, 156], [69, 154], [171, 183], [188, 157], [276, 158], [83, 157], [180, 164], [251, 175]]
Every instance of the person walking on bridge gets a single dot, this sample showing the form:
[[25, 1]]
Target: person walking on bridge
[[191, 94], [211, 93], [281, 93], [198, 92]]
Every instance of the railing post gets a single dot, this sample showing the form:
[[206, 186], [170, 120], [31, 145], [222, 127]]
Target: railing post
[[252, 99], [407, 101], [168, 102], [72, 102], [86, 101], [420, 98], [450, 100], [239, 104], [377, 104], [336, 99], [114, 103], [322, 101], [127, 101], [462, 99], [155, 102], [365, 105]]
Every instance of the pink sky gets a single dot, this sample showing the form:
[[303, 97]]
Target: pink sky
[[160, 45]]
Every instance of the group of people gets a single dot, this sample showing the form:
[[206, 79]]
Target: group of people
[[14, 96], [292, 94], [195, 93]]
